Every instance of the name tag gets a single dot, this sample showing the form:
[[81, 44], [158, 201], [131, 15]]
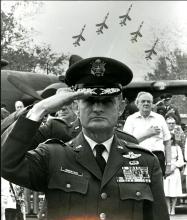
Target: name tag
[[135, 174], [71, 172]]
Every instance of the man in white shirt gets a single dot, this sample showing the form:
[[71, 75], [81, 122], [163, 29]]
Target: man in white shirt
[[150, 129]]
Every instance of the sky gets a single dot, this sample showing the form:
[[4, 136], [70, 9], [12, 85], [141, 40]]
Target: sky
[[58, 21]]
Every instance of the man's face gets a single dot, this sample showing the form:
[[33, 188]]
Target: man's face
[[145, 102], [66, 112], [171, 123], [19, 105], [167, 101], [99, 113]]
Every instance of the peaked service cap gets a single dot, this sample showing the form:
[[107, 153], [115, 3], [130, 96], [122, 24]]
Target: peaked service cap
[[102, 75]]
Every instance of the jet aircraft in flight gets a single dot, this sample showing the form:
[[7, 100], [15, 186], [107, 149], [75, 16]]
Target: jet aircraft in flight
[[102, 25], [136, 33], [125, 17], [79, 37], [151, 51]]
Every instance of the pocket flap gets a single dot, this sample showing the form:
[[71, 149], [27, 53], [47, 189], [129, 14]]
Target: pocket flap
[[137, 191], [68, 182]]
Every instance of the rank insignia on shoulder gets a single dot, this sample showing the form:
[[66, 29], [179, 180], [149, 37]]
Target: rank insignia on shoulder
[[120, 147], [131, 155], [78, 147]]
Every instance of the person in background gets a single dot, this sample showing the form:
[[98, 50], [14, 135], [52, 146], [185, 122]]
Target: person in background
[[172, 183], [185, 158], [97, 175], [151, 130], [176, 130], [19, 105], [169, 108]]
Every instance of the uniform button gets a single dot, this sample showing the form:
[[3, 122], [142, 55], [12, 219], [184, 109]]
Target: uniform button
[[68, 185], [102, 216], [104, 195], [138, 194]]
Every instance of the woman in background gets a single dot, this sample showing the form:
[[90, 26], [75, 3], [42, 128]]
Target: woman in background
[[172, 183]]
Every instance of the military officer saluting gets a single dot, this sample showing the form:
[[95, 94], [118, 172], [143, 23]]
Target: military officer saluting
[[99, 175]]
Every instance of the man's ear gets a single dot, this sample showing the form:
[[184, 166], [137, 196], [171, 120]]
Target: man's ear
[[122, 107]]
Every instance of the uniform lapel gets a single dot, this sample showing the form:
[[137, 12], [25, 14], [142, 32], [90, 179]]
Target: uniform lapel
[[114, 162], [85, 157]]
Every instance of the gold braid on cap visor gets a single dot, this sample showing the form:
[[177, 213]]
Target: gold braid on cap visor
[[101, 91]]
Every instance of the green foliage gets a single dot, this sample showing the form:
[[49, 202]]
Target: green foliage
[[172, 67], [18, 47]]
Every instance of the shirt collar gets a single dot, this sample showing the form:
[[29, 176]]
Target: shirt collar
[[107, 143], [150, 115]]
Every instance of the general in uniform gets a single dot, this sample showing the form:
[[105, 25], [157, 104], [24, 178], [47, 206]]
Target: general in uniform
[[98, 175]]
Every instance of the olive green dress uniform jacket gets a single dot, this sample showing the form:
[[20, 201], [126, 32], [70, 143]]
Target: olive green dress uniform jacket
[[73, 183]]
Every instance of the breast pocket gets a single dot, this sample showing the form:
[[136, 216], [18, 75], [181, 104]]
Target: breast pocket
[[69, 182], [136, 191]]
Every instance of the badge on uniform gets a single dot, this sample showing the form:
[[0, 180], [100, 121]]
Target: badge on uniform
[[131, 155], [135, 174], [71, 172], [78, 147]]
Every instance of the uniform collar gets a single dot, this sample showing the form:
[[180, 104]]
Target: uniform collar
[[92, 143]]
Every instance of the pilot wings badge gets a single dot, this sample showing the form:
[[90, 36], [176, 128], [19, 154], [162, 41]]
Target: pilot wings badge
[[98, 68], [132, 155]]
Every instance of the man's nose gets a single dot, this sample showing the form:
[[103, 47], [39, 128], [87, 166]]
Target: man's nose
[[97, 106]]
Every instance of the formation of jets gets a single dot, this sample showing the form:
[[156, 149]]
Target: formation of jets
[[123, 22], [125, 17], [79, 37], [102, 25], [136, 34], [151, 51]]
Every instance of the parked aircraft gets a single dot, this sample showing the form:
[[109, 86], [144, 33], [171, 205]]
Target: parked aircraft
[[102, 25], [28, 87], [79, 37], [151, 51], [125, 17], [136, 33]]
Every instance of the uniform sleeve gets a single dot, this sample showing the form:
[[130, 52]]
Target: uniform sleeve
[[43, 133], [160, 211], [28, 169]]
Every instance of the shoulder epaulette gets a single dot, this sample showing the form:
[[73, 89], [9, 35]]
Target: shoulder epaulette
[[136, 146], [54, 141], [126, 136]]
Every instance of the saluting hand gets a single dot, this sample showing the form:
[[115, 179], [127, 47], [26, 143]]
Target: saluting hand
[[64, 96]]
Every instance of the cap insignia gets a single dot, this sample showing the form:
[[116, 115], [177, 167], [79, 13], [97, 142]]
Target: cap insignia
[[98, 68]]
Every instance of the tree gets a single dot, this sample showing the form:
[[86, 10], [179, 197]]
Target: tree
[[18, 47], [172, 67]]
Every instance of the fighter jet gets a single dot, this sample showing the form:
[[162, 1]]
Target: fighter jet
[[151, 51], [102, 25], [125, 17], [79, 37], [136, 34]]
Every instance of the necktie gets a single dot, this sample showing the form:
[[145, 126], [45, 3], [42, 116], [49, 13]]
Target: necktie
[[99, 158]]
